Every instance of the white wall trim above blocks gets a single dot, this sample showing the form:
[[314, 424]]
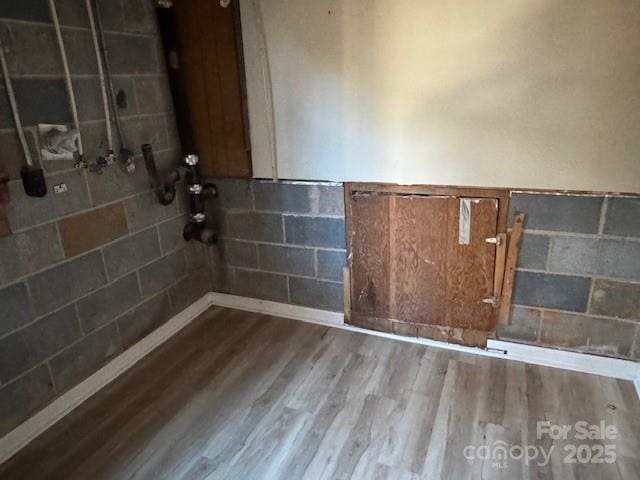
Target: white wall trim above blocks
[[22, 435]]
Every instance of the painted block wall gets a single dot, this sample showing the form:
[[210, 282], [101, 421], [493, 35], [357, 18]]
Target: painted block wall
[[577, 285], [283, 242], [89, 272], [578, 279]]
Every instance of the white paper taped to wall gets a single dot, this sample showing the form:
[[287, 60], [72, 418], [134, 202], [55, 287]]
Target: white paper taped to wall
[[464, 227], [57, 142]]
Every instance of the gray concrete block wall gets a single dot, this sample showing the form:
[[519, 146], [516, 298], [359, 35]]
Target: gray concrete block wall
[[578, 280], [282, 241], [64, 315]]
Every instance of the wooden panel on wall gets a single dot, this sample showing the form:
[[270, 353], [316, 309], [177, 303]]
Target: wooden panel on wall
[[369, 249], [470, 268], [501, 194], [411, 272], [212, 79], [418, 243]]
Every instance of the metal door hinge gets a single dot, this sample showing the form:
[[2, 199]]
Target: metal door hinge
[[494, 240], [495, 301]]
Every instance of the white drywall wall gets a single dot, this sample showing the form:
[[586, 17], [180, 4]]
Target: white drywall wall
[[510, 93]]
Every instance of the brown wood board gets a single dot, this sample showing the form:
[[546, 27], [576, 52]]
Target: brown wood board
[[346, 285], [191, 60], [443, 190], [498, 279], [229, 90], [207, 22], [470, 268], [442, 333], [515, 240], [369, 250], [418, 244], [408, 268], [212, 79]]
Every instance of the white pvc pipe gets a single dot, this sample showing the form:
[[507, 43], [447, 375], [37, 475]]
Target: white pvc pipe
[[67, 74], [103, 84], [14, 107]]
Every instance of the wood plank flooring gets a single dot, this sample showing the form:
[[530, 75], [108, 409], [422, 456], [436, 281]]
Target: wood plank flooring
[[244, 396]]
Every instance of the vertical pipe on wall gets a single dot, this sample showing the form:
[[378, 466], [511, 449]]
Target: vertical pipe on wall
[[67, 76], [197, 228], [32, 177], [103, 82], [125, 156]]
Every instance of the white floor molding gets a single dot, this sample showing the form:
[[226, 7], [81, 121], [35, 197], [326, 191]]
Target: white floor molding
[[18, 438], [325, 317], [548, 357], [577, 362], [305, 314]]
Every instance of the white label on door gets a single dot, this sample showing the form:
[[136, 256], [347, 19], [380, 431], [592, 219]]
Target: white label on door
[[464, 228]]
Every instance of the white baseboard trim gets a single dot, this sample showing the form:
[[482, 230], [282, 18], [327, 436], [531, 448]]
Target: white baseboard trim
[[295, 312], [22, 435], [326, 318], [548, 357], [577, 362]]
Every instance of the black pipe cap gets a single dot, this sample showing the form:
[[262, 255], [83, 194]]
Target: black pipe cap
[[33, 181]]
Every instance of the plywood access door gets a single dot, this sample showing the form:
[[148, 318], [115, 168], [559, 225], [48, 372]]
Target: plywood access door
[[416, 269]]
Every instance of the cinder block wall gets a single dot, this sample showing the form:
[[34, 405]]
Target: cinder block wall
[[578, 280], [577, 285], [280, 241], [89, 272]]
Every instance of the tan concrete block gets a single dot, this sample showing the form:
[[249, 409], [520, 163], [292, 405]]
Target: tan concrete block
[[86, 231]]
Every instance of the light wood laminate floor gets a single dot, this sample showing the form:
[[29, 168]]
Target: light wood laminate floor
[[244, 396]]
